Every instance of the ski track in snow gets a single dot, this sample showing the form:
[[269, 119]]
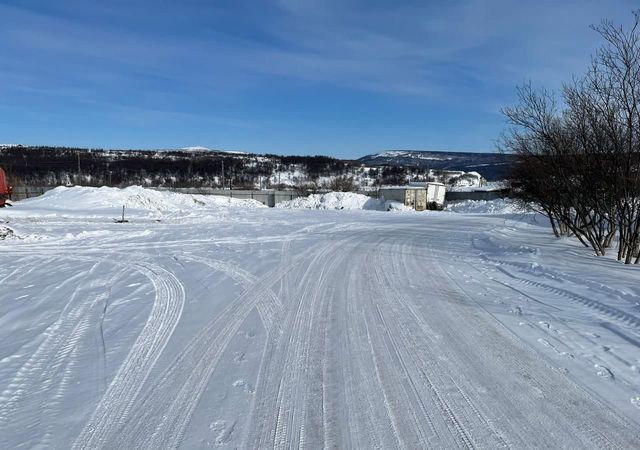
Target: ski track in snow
[[376, 335]]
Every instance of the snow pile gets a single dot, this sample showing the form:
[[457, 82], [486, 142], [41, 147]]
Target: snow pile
[[344, 200], [6, 232], [469, 179], [392, 205], [498, 206], [333, 200], [134, 197]]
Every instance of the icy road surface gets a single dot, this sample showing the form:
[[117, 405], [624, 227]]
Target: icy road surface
[[289, 329]]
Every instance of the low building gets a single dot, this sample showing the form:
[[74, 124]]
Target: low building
[[424, 196]]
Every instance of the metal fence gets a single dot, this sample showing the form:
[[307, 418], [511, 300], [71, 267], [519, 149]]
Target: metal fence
[[22, 192], [266, 197]]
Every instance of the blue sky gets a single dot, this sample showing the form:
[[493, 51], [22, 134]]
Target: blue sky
[[338, 77]]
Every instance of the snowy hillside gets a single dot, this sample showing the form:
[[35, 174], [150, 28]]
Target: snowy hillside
[[492, 166], [196, 148], [201, 149], [199, 166]]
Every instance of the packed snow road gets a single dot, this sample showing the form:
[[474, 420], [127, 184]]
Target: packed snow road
[[256, 328]]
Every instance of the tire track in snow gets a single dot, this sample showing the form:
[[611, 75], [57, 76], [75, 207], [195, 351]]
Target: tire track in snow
[[404, 353], [570, 413], [29, 379], [362, 418], [42, 382], [538, 271], [389, 415], [12, 273], [25, 268], [608, 311], [271, 305], [294, 394], [115, 405], [284, 361], [164, 411], [87, 323], [459, 399]]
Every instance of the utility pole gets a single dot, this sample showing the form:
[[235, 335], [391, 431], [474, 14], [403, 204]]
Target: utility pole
[[79, 166], [223, 174]]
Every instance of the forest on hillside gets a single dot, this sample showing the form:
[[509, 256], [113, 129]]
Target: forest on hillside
[[56, 166], [52, 166]]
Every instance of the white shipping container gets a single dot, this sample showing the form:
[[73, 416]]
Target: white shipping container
[[429, 196], [436, 194]]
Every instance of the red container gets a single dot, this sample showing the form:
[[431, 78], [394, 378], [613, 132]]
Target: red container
[[5, 189]]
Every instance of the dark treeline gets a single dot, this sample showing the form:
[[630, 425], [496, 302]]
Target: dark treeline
[[315, 166], [47, 166], [54, 166]]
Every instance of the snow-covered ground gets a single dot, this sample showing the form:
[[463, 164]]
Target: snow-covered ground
[[203, 323]]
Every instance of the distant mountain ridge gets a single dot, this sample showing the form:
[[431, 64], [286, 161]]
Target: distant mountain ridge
[[493, 166]]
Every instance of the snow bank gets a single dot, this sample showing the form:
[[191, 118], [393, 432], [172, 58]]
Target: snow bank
[[134, 197], [498, 206], [333, 200], [469, 179], [344, 200], [392, 205]]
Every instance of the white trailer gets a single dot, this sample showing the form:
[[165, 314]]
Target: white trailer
[[435, 195], [418, 197], [429, 196]]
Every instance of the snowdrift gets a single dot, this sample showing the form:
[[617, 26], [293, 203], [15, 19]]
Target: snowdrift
[[81, 198], [337, 200], [332, 200], [498, 206]]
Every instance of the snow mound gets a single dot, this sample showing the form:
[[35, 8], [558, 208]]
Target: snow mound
[[333, 200], [498, 206], [344, 200], [134, 197], [392, 205], [6, 232]]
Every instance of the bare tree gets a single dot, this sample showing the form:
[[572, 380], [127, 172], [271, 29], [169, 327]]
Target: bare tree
[[581, 164], [342, 183]]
